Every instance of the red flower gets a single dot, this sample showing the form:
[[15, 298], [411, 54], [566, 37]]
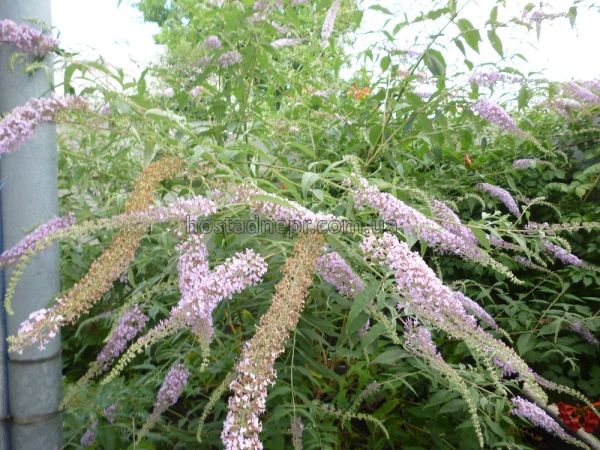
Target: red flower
[[591, 422], [571, 417]]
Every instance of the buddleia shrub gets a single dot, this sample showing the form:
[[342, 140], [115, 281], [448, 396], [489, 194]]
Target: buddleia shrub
[[430, 279]]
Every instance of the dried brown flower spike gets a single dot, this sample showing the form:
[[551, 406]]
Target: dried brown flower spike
[[255, 368]]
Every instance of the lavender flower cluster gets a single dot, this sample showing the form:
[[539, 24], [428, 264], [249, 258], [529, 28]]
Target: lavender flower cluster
[[537, 16], [110, 413], [130, 325], [428, 298], [29, 241], [565, 106], [26, 38], [212, 43], [294, 215], [396, 212], [171, 388], [419, 341], [416, 281], [89, 437], [521, 164], [584, 332], [489, 78], [336, 271], [474, 308], [285, 42], [527, 263], [250, 396], [561, 254], [22, 121], [42, 325], [329, 21], [202, 291], [498, 242], [496, 115], [255, 371], [581, 93], [451, 222], [503, 195], [538, 417], [230, 58], [424, 91]]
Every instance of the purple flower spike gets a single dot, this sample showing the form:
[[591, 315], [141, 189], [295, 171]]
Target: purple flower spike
[[336, 271], [54, 225], [172, 387], [495, 114], [129, 326], [21, 123], [229, 59], [561, 254], [503, 195], [26, 38]]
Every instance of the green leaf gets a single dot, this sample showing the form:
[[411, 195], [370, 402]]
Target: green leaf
[[572, 15], [525, 343], [363, 299], [435, 63], [375, 134], [470, 33], [493, 15], [460, 46], [390, 357], [525, 95], [381, 9], [160, 114], [308, 179], [496, 42], [480, 235], [385, 63]]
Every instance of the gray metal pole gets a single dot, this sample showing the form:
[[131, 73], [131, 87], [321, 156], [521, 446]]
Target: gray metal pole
[[29, 197]]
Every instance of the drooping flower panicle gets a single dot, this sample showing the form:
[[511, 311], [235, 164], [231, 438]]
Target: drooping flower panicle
[[26, 38], [584, 332], [538, 417], [581, 93], [285, 42], [20, 124], [29, 241], [104, 271], [429, 299], [473, 307], [202, 291], [451, 222], [329, 21], [496, 115], [489, 78], [561, 254], [417, 282], [396, 212], [335, 270], [254, 371], [130, 325], [521, 164], [172, 387], [503, 195]]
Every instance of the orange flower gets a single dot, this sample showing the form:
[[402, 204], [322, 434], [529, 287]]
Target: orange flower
[[468, 161], [359, 93]]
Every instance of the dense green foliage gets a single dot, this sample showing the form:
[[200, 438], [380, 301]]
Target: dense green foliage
[[286, 119]]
